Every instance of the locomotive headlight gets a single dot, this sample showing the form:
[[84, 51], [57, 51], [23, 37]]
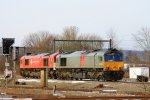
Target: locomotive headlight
[[126, 66]]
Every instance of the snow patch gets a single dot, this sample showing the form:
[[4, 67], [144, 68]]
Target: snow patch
[[62, 81], [28, 80], [109, 90], [49, 80]]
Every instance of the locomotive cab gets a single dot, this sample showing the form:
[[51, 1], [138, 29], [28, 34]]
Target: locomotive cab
[[113, 65]]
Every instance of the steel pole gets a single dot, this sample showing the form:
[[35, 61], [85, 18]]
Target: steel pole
[[110, 43], [6, 69], [14, 64]]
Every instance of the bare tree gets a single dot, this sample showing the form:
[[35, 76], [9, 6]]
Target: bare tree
[[43, 41], [94, 45], [39, 42], [111, 34], [142, 39], [133, 59], [70, 33]]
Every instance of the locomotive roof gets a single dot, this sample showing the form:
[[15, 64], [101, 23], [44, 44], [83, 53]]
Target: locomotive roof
[[99, 52], [38, 55], [68, 54], [111, 51], [87, 53]]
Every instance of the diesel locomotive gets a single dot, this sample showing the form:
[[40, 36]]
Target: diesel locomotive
[[96, 64]]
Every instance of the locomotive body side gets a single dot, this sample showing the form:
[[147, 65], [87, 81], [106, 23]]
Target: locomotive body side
[[31, 65], [80, 59], [79, 65], [71, 60], [30, 62]]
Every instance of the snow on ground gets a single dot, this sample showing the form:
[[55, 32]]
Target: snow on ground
[[130, 80], [28, 80], [109, 90], [63, 81], [50, 81]]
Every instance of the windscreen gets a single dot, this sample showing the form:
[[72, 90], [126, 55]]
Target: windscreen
[[113, 57]]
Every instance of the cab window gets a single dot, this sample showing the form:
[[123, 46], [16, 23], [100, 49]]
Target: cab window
[[118, 57], [108, 57], [113, 57], [26, 61], [45, 62], [100, 58], [63, 62]]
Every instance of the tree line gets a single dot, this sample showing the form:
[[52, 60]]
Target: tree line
[[43, 41]]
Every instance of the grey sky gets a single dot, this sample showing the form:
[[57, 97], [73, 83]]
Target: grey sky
[[21, 17]]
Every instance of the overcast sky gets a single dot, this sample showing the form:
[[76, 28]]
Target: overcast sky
[[18, 18]]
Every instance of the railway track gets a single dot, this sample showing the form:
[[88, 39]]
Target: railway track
[[132, 96], [80, 87], [48, 97]]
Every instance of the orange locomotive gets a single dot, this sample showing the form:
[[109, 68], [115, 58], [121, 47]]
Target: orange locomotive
[[30, 65]]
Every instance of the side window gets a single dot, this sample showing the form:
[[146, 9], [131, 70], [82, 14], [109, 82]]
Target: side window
[[45, 62], [26, 61], [54, 59], [57, 60], [63, 62], [100, 58]]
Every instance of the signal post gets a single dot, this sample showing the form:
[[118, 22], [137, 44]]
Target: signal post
[[44, 77], [6, 44]]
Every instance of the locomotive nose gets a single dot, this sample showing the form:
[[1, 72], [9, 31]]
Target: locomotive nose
[[113, 66]]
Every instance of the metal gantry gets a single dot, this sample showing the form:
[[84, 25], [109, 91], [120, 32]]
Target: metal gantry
[[92, 41]]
